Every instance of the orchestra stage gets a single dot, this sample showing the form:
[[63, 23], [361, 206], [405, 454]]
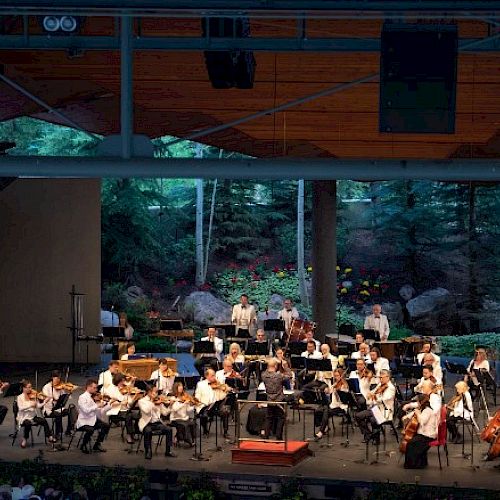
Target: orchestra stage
[[328, 465]]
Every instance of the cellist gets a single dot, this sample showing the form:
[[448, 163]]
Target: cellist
[[427, 430]]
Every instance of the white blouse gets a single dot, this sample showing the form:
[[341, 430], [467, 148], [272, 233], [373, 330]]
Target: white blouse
[[27, 408], [428, 423]]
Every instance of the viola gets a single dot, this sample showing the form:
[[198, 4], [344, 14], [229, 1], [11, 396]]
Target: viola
[[187, 398]]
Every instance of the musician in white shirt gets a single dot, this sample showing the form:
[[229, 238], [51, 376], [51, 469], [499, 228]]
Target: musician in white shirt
[[288, 314], [426, 349], [433, 360], [381, 402], [311, 352], [460, 407], [429, 389], [427, 374], [481, 363], [27, 413], [310, 338], [323, 378], [90, 417], [151, 412], [53, 392], [182, 415], [211, 359], [130, 352], [365, 378], [418, 446], [362, 353], [164, 377], [378, 361], [106, 377], [244, 315], [378, 322]]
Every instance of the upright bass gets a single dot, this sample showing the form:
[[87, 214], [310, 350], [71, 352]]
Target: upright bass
[[491, 434]]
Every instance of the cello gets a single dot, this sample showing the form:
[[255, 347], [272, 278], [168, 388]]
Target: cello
[[491, 434], [411, 427]]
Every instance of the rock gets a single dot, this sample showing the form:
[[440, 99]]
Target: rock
[[134, 294], [204, 308], [429, 302], [109, 318], [432, 312], [406, 292], [489, 317], [276, 301]]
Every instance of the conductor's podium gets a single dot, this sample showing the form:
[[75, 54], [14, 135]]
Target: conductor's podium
[[143, 368]]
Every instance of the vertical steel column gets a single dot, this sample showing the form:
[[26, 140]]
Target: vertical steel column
[[126, 94], [324, 257]]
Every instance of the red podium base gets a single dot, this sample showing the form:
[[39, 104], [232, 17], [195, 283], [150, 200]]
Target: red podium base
[[260, 453]]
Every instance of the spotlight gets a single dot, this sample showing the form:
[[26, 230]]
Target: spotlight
[[51, 23], [68, 23]]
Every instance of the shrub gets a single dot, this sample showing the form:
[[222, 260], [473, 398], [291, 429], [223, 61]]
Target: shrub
[[464, 346]]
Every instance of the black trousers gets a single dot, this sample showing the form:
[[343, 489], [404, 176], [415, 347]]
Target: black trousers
[[416, 452], [366, 422], [129, 418], [28, 424], [275, 418], [72, 415], [328, 412], [223, 413], [3, 413], [157, 428], [186, 430], [100, 426], [452, 424]]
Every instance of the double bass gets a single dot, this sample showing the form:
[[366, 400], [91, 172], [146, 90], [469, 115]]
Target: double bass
[[491, 434]]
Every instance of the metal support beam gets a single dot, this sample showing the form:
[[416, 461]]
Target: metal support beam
[[264, 44], [276, 168], [48, 107], [126, 95]]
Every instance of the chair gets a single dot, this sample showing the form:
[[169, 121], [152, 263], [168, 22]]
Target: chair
[[81, 431], [159, 434], [15, 411], [441, 439]]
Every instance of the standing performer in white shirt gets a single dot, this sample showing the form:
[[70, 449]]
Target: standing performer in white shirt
[[378, 322], [88, 417], [244, 315], [288, 314]]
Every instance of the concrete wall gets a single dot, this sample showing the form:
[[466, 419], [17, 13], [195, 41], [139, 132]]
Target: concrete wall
[[50, 239]]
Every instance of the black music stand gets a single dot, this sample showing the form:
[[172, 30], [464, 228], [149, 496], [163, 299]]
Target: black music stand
[[274, 325], [243, 333], [484, 378], [353, 384], [370, 334], [456, 368], [298, 363], [228, 330], [171, 324], [296, 348], [242, 343], [14, 390], [410, 372], [347, 329], [113, 332], [204, 347], [318, 365], [257, 349], [350, 364]]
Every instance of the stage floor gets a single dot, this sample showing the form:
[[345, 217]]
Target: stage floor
[[335, 462]]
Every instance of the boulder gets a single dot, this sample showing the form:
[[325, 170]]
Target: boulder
[[109, 318], [276, 301], [489, 317], [134, 294], [432, 312], [429, 302], [204, 308], [407, 292]]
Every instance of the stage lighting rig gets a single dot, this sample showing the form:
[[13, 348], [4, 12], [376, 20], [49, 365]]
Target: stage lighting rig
[[61, 25]]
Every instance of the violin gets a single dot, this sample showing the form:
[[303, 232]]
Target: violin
[[453, 402], [216, 386], [65, 386], [491, 434], [98, 398], [168, 372], [340, 385], [187, 398], [381, 389], [163, 399], [37, 395], [130, 390]]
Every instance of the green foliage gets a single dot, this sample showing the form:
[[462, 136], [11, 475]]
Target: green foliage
[[137, 314], [113, 294], [201, 487], [464, 346], [291, 489], [400, 332], [152, 344]]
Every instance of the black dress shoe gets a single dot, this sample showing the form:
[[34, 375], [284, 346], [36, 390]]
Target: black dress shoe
[[84, 449], [148, 455], [99, 448]]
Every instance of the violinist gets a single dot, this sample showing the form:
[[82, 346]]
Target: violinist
[[459, 408], [28, 402], [284, 367], [435, 402], [122, 405], [209, 393], [182, 415], [380, 363], [418, 446], [433, 360], [106, 378], [362, 353], [336, 407], [90, 417], [381, 403], [130, 351], [53, 390], [3, 409], [152, 409], [164, 377], [365, 379], [227, 372], [427, 374]]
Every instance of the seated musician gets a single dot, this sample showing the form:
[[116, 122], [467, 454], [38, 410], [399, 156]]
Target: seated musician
[[378, 361], [274, 381], [480, 362], [310, 338], [211, 359], [306, 376], [335, 406], [28, 404], [362, 353], [426, 349], [284, 367], [3, 409], [255, 365], [429, 388], [427, 374], [164, 377], [418, 446], [323, 379], [182, 415], [210, 392], [106, 378], [459, 408], [236, 357], [152, 409], [288, 314], [382, 398], [366, 380], [378, 322], [123, 402], [359, 338], [90, 417], [227, 372], [130, 351], [433, 360], [53, 390]]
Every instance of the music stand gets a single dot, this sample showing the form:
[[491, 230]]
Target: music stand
[[236, 383], [171, 324], [345, 399], [350, 364], [228, 329], [353, 384], [243, 333], [298, 362], [482, 377], [204, 347], [274, 325], [370, 334], [241, 343], [14, 390], [296, 348], [257, 349], [318, 365], [347, 329], [410, 372], [456, 368], [113, 332]]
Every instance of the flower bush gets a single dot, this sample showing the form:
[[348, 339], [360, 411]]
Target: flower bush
[[358, 286]]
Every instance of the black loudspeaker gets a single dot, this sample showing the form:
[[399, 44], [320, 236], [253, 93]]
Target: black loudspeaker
[[233, 68], [418, 75]]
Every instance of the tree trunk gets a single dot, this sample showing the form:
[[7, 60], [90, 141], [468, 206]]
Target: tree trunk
[[474, 302], [411, 255], [199, 223], [210, 225], [304, 299]]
